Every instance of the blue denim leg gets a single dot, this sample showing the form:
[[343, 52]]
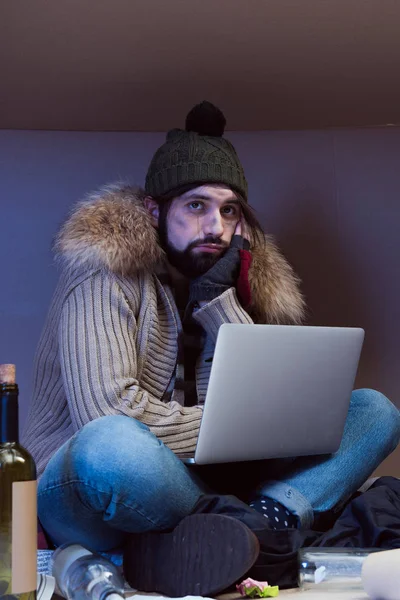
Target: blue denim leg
[[113, 476], [316, 484]]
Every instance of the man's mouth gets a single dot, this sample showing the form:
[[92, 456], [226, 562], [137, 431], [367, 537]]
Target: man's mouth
[[209, 248]]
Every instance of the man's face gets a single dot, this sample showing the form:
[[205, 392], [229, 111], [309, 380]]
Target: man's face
[[199, 227]]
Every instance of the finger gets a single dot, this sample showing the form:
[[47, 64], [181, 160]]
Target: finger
[[238, 228], [245, 229]]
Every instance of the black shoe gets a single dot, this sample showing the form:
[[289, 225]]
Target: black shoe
[[277, 562], [204, 555]]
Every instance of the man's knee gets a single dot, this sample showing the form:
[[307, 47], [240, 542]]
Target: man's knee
[[111, 427], [381, 412], [110, 444]]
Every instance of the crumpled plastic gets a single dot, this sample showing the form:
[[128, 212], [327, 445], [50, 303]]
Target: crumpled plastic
[[257, 589]]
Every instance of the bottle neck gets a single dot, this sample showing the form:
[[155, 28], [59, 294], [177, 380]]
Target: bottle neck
[[8, 412]]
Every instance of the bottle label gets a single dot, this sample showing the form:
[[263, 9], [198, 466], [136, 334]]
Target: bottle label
[[24, 537]]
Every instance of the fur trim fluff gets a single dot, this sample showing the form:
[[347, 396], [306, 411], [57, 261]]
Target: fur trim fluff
[[112, 229], [275, 293]]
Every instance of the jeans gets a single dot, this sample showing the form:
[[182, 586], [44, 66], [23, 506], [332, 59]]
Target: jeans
[[114, 476]]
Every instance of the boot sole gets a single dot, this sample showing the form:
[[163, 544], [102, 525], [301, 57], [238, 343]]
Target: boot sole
[[202, 556]]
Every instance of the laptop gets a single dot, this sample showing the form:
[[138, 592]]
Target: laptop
[[277, 391]]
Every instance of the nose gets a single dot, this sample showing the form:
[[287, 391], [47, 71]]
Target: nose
[[214, 224]]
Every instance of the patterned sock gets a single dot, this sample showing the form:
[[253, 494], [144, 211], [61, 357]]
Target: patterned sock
[[278, 516]]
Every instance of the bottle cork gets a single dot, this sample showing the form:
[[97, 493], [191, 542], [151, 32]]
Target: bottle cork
[[7, 373]]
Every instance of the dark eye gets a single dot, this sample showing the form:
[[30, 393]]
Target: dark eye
[[196, 205], [229, 210]]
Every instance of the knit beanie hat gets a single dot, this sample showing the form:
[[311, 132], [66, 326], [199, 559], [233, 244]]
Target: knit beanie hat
[[198, 154]]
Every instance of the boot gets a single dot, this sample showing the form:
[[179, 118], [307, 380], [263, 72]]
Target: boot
[[277, 562], [204, 555]]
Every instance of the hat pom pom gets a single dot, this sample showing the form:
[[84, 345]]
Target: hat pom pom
[[206, 119]]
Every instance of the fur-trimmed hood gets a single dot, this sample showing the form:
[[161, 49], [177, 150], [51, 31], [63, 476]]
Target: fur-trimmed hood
[[112, 229]]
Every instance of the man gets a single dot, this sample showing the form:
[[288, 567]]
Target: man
[[123, 364]]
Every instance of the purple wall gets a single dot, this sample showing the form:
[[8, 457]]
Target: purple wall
[[331, 198]]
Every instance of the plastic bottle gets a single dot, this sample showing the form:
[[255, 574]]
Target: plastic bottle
[[84, 575], [332, 569]]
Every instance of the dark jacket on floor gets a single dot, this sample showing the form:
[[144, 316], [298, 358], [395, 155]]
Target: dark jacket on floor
[[369, 520]]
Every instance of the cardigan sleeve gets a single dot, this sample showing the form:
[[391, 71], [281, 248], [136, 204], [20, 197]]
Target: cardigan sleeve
[[226, 308], [99, 361]]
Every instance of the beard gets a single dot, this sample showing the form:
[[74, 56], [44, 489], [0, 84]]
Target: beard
[[188, 263]]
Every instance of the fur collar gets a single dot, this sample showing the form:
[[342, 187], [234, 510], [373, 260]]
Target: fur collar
[[111, 229]]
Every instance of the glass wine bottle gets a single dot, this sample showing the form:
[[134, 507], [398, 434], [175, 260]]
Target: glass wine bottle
[[18, 515]]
